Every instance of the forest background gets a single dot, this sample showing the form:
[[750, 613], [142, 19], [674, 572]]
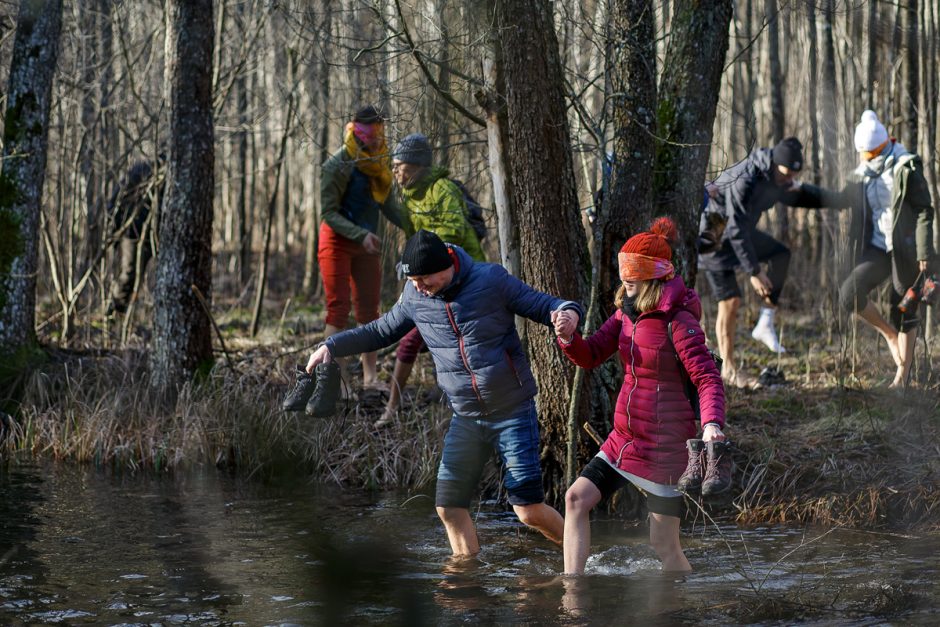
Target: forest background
[[524, 101]]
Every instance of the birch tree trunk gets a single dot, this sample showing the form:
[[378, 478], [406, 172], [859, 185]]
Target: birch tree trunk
[[181, 339], [25, 134], [553, 247]]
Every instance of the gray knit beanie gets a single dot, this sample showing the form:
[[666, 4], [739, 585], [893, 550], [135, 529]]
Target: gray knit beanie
[[414, 149]]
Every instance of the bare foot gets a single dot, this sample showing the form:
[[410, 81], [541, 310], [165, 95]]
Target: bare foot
[[737, 379], [895, 350], [388, 417], [900, 379]]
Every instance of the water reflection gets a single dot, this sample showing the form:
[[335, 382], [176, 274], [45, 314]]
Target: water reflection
[[79, 546]]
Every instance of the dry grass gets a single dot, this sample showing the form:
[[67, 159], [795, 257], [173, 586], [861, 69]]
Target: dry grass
[[99, 409]]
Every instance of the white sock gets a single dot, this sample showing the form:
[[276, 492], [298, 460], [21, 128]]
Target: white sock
[[766, 316]]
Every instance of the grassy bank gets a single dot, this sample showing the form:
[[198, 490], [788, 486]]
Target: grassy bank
[[832, 445]]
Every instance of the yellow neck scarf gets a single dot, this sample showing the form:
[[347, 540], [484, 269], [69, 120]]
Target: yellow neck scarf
[[375, 165]]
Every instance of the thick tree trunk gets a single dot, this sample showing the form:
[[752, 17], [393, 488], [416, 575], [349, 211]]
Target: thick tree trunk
[[628, 203], [25, 133], [688, 97], [181, 339], [552, 242]]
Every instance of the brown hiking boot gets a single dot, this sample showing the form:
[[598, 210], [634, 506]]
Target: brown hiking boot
[[691, 479], [717, 468]]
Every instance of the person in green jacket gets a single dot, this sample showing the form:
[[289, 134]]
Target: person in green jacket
[[890, 235], [355, 186], [430, 201]]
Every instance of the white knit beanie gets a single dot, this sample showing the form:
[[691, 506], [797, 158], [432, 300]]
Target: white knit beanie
[[870, 132]]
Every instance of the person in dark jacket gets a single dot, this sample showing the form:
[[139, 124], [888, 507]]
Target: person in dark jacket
[[741, 194], [891, 233], [139, 194], [355, 186], [465, 311], [431, 201], [654, 422]]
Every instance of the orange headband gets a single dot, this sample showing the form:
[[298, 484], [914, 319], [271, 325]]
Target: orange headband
[[637, 267]]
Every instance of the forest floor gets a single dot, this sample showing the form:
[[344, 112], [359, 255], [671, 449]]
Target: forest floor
[[831, 445]]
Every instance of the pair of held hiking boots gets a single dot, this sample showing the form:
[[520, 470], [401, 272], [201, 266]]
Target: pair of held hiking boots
[[709, 468], [315, 394]]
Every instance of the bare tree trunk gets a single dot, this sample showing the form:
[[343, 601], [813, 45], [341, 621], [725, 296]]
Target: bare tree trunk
[[492, 99], [911, 73], [546, 203], [688, 97], [182, 334], [25, 133], [777, 109], [628, 208]]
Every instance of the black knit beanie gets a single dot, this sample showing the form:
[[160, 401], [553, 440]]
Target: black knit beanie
[[414, 149], [788, 153], [424, 254], [367, 115]]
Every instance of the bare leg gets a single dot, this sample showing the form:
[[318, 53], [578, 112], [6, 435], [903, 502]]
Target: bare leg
[[906, 342], [399, 379], [460, 530], [664, 536], [370, 374], [870, 315], [580, 499], [542, 518], [726, 323]]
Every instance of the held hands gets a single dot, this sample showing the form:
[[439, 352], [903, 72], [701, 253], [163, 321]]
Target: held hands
[[761, 284], [713, 433], [565, 322], [320, 356], [372, 244]]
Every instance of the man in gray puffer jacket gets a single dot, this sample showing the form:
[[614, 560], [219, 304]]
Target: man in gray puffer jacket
[[465, 311]]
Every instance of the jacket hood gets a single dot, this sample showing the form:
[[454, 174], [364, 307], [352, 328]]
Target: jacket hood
[[677, 296], [464, 263], [421, 186], [760, 158]]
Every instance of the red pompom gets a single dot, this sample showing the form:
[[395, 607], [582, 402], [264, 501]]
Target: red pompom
[[665, 227]]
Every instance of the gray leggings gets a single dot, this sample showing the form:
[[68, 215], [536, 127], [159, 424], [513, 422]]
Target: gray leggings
[[872, 270]]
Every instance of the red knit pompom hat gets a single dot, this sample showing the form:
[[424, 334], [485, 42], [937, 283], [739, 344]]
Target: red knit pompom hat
[[648, 255]]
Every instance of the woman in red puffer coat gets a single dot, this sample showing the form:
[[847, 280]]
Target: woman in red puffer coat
[[653, 418]]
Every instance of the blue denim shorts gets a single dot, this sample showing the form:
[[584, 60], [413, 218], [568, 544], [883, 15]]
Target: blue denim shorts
[[470, 443]]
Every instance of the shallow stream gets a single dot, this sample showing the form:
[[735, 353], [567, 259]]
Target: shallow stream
[[81, 546]]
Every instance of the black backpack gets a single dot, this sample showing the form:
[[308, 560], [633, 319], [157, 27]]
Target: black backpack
[[691, 391], [474, 211]]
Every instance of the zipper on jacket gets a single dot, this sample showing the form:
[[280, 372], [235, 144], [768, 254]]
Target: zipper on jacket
[[513, 366], [630, 395], [463, 356]]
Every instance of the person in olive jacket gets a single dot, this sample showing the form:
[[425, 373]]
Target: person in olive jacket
[[890, 235], [465, 311], [355, 186], [431, 201]]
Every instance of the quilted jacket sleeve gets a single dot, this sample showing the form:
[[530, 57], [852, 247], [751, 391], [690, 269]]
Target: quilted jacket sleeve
[[689, 340], [593, 351], [379, 333]]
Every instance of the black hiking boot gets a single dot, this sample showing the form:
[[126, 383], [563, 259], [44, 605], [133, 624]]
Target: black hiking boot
[[323, 402], [298, 395], [717, 468], [691, 479]]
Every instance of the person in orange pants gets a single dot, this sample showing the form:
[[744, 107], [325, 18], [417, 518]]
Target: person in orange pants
[[354, 188]]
